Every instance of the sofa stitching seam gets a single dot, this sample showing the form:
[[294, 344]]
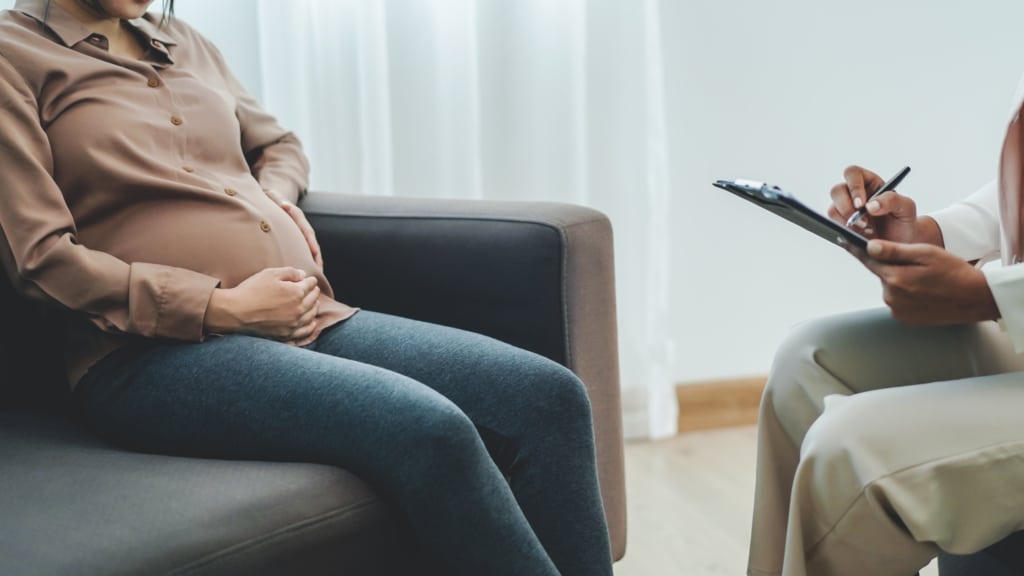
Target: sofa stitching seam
[[559, 225], [276, 535]]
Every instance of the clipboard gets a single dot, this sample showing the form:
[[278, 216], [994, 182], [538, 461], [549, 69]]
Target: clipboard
[[773, 199]]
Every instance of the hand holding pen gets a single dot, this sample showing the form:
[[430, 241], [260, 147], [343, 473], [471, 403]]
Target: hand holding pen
[[873, 207], [888, 186], [922, 283]]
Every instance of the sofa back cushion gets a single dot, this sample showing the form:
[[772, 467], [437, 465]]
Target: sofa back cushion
[[31, 366]]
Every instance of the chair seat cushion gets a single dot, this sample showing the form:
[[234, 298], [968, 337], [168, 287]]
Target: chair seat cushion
[[71, 504], [1004, 558]]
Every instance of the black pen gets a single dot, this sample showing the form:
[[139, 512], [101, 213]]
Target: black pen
[[890, 185]]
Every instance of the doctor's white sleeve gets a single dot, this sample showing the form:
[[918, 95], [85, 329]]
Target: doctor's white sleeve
[[970, 229]]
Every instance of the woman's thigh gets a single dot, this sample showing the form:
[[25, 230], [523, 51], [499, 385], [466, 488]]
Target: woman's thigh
[[245, 397], [497, 385]]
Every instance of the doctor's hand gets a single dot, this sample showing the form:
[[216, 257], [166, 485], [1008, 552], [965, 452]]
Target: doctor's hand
[[925, 285], [890, 216]]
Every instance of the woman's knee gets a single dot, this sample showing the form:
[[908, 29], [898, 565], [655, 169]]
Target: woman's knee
[[426, 451], [561, 397], [439, 434]]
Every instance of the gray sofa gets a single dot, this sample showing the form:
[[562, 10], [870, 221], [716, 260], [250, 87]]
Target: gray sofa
[[536, 275], [1005, 558]]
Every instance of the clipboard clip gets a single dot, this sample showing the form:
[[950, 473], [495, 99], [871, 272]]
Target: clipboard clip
[[758, 191]]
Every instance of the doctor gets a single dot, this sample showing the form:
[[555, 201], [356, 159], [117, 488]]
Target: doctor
[[886, 437]]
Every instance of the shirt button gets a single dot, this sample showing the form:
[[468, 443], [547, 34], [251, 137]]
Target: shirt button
[[231, 192], [188, 169], [153, 83], [265, 226], [176, 121]]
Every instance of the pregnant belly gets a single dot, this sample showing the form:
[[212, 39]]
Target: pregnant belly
[[228, 244]]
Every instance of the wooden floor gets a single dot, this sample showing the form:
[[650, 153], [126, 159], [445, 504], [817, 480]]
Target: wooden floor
[[689, 502]]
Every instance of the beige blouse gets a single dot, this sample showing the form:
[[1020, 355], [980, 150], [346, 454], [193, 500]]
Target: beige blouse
[[130, 189]]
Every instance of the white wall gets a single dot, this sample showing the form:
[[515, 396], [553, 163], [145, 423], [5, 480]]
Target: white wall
[[792, 91]]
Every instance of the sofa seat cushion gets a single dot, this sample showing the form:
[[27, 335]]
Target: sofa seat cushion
[[71, 504]]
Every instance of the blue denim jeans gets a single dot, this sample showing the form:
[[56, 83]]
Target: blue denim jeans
[[412, 408]]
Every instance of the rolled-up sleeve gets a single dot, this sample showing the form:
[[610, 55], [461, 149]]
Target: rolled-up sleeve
[[44, 258]]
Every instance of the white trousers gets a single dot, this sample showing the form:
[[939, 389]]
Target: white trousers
[[880, 444]]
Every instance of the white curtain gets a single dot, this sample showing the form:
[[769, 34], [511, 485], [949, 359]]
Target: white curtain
[[560, 100]]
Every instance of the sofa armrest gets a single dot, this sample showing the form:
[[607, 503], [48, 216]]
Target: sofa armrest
[[537, 275]]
